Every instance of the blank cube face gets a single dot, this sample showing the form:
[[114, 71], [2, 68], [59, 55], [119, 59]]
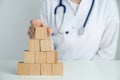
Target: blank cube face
[[57, 69], [34, 45], [34, 69], [28, 69], [23, 69], [41, 33], [52, 57], [46, 45], [46, 69], [41, 57], [29, 57]]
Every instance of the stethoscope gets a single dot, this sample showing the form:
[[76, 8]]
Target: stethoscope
[[81, 30]]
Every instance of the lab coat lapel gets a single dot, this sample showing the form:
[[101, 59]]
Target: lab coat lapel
[[79, 19]]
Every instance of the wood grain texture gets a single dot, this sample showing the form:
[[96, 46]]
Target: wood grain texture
[[28, 69], [34, 69], [57, 69], [23, 69], [41, 33], [34, 45], [29, 57], [52, 57], [46, 69], [46, 45], [41, 57]]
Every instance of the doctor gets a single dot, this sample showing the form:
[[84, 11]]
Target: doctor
[[81, 29]]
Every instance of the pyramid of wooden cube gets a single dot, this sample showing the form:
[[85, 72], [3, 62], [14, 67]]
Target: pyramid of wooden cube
[[40, 59]]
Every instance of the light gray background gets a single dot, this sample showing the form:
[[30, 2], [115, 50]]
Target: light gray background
[[14, 23]]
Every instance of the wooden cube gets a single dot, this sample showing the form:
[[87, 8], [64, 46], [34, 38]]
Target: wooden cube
[[29, 57], [52, 57], [28, 69], [57, 69], [46, 45], [34, 45], [46, 69], [23, 69], [41, 57], [41, 33], [34, 69]]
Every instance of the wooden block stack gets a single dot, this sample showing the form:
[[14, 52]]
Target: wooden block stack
[[40, 59]]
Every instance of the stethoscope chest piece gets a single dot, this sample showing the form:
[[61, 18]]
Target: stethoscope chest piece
[[59, 33]]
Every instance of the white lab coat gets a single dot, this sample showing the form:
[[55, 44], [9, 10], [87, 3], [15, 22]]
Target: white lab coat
[[99, 41]]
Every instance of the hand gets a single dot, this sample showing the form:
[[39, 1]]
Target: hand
[[36, 23]]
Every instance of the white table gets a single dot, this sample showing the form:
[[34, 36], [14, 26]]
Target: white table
[[79, 70]]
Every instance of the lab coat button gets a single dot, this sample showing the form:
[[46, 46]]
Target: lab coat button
[[52, 34], [67, 32]]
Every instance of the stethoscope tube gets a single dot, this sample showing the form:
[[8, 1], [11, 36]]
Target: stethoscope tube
[[60, 5], [55, 13], [64, 11], [86, 20]]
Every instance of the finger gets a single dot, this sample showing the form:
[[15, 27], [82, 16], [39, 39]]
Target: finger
[[32, 23], [36, 23], [49, 30], [31, 32], [44, 25], [31, 29], [31, 35]]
